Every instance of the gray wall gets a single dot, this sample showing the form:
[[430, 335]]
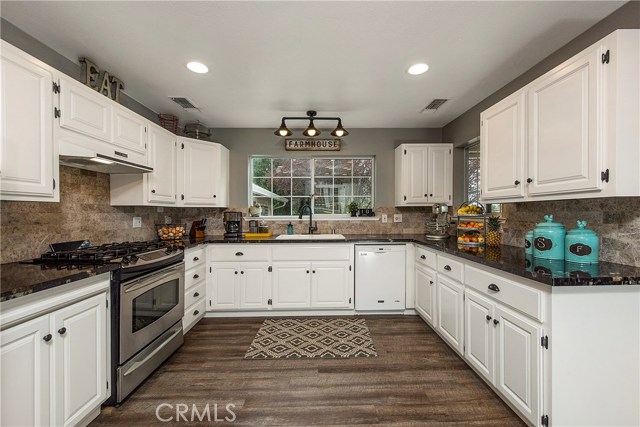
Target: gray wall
[[377, 142], [467, 126], [14, 35]]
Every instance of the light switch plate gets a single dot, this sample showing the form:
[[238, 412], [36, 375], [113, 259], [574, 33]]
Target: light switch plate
[[137, 222], [167, 219], [383, 218], [397, 217]]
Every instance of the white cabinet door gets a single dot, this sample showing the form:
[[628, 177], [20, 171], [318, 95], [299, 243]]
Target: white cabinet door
[[199, 169], [415, 164], [564, 152], [84, 110], [439, 174], [479, 348], [426, 293], [80, 366], [161, 183], [255, 286], [519, 363], [450, 312], [223, 287], [331, 285], [28, 161], [503, 148], [291, 285], [129, 130], [25, 369]]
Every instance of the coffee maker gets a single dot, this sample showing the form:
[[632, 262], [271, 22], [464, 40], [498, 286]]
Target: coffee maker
[[232, 222]]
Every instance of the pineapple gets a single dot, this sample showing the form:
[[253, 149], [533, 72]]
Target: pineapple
[[494, 236]]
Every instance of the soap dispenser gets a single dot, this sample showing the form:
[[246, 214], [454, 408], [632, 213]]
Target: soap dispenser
[[290, 228]]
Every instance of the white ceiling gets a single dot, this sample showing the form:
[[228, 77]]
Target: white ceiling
[[268, 59]]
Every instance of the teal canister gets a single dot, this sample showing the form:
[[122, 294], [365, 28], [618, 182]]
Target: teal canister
[[548, 239], [528, 243], [582, 245]]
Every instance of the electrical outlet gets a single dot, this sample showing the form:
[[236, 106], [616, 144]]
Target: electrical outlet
[[397, 217], [383, 218], [160, 209], [167, 219], [137, 221]]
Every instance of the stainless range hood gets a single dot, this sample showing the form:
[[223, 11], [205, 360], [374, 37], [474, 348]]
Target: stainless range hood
[[85, 158]]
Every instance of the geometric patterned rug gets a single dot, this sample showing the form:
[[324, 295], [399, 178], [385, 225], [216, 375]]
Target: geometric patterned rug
[[323, 337]]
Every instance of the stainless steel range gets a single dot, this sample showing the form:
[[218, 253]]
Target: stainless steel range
[[147, 303]]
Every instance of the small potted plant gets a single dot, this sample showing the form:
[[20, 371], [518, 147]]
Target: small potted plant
[[353, 208]]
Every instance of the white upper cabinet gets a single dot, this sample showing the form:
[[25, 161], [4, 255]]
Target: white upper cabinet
[[29, 155], [502, 148], [203, 173], [424, 174], [162, 182], [84, 110], [129, 130], [564, 140], [571, 133]]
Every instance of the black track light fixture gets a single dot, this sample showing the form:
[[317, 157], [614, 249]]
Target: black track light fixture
[[311, 130]]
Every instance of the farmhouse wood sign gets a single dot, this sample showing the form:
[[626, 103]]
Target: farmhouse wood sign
[[312, 144], [101, 81]]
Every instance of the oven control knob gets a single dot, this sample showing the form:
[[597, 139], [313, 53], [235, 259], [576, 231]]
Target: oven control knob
[[125, 260]]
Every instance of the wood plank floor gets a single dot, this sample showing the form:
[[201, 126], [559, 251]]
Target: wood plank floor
[[416, 380]]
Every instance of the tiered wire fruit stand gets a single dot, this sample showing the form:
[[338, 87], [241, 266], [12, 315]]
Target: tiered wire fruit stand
[[471, 227]]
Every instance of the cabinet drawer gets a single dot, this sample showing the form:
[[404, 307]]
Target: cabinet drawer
[[195, 276], [250, 252], [192, 314], [193, 257], [519, 297], [311, 253], [195, 293], [426, 257], [450, 267]]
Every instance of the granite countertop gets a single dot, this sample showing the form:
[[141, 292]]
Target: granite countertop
[[18, 279]]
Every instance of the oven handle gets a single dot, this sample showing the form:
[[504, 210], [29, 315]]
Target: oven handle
[[152, 279], [137, 364]]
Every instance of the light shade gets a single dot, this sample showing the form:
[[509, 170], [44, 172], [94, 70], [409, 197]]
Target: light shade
[[339, 130], [416, 69], [282, 130], [197, 67], [311, 130]]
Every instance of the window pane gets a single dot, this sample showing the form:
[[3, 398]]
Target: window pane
[[282, 186], [343, 167], [261, 166], [297, 203], [343, 187], [323, 187], [262, 186], [362, 167], [362, 186], [363, 202], [301, 186], [323, 205], [282, 206], [281, 167], [301, 167], [340, 204], [265, 202], [323, 167]]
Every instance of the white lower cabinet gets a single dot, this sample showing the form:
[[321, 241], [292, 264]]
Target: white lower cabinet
[[291, 285], [425, 293], [331, 285], [195, 285], [519, 357], [55, 367], [449, 308], [236, 286], [479, 334]]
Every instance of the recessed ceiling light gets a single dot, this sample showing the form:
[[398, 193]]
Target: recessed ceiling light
[[416, 69], [197, 67]]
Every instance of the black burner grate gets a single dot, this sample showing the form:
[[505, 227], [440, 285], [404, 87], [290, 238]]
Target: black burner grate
[[102, 253]]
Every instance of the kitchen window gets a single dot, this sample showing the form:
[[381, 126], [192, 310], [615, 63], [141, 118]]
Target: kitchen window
[[472, 175], [283, 185]]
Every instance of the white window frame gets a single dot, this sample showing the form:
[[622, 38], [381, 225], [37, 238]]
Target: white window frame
[[312, 196]]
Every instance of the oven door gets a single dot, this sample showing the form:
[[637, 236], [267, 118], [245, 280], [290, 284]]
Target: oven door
[[149, 306]]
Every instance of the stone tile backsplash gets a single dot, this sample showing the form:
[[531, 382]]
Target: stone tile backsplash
[[27, 229], [615, 220]]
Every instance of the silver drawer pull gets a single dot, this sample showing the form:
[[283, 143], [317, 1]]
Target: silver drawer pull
[[494, 287]]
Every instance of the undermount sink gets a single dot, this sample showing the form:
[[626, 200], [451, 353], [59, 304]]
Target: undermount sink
[[310, 237]]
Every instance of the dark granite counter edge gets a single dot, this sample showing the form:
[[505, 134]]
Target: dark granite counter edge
[[30, 288]]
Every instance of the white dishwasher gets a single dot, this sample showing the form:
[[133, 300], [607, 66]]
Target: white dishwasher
[[380, 277]]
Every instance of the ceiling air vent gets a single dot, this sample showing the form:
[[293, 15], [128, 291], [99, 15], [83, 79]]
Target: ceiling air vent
[[184, 102], [434, 105]]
